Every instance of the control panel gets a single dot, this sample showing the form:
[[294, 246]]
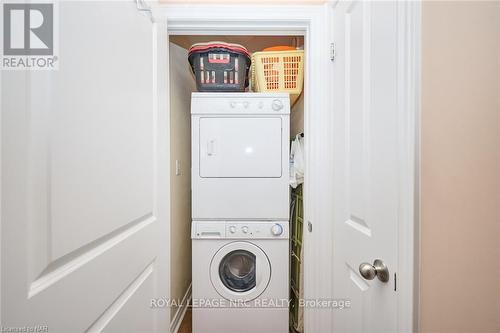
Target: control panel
[[236, 103], [274, 105], [255, 230], [240, 229]]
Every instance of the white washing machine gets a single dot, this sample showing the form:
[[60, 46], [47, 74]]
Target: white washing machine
[[240, 276], [240, 155]]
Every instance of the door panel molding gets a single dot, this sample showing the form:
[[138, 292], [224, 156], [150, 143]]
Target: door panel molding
[[357, 108], [59, 268], [100, 324]]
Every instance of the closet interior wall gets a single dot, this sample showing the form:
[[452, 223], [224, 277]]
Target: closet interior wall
[[181, 86]]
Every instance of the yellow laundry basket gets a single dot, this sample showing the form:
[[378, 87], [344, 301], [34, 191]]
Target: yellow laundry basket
[[278, 71]]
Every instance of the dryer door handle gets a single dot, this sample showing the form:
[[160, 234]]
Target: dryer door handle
[[211, 147]]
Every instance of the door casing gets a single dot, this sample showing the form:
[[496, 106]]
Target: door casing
[[314, 23]]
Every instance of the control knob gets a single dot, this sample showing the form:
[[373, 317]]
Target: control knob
[[277, 229], [277, 105]]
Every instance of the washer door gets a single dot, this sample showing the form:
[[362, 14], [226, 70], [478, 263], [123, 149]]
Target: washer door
[[240, 271]]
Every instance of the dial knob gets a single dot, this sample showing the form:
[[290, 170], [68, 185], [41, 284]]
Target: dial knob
[[277, 229], [277, 105], [244, 229], [232, 229]]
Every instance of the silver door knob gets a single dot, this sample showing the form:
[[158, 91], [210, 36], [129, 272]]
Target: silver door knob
[[378, 269]]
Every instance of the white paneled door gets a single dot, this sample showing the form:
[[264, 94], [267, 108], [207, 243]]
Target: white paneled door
[[84, 189], [367, 174]]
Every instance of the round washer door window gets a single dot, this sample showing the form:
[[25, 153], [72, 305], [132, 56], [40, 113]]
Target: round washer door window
[[240, 270], [237, 270]]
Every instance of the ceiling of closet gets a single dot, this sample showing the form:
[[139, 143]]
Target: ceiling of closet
[[252, 43]]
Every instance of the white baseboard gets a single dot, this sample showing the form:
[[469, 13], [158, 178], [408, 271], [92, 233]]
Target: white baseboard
[[181, 311]]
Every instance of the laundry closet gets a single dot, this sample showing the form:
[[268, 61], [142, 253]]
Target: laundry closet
[[231, 201]]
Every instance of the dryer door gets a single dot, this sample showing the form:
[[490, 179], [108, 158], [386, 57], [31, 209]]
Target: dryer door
[[240, 147], [240, 271]]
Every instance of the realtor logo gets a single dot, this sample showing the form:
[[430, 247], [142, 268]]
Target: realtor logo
[[28, 36], [28, 29]]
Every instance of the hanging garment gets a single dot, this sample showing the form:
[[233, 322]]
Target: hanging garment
[[297, 161]]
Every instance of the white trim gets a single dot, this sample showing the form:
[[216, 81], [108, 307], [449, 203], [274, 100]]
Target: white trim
[[181, 311], [409, 100], [1, 192], [317, 245], [161, 85]]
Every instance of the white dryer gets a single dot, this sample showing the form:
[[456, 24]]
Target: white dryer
[[240, 155], [240, 276]]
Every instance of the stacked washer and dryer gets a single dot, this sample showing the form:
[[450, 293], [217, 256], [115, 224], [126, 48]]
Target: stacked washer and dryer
[[240, 211]]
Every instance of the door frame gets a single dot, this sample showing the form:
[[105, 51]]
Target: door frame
[[314, 23]]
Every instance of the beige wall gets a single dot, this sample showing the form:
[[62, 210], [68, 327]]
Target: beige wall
[[460, 231], [180, 190]]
